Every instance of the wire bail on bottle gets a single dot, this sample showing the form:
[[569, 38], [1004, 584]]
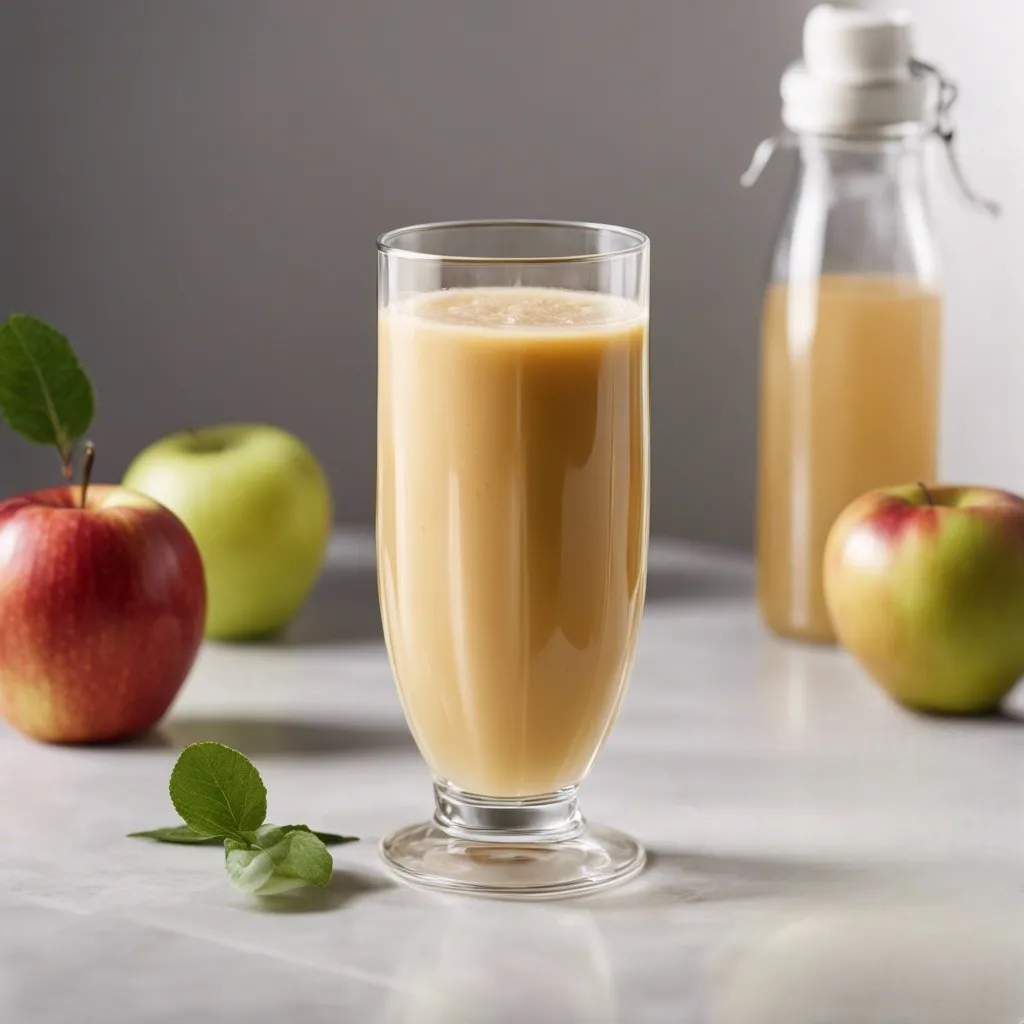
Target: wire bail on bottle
[[762, 155], [858, 81], [944, 129]]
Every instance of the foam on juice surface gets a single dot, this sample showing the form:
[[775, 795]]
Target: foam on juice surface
[[519, 308]]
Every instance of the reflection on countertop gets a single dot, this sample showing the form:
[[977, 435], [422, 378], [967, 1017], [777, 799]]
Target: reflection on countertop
[[950, 962], [490, 961]]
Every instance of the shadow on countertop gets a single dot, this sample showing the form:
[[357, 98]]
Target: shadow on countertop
[[344, 888], [674, 876], [265, 737]]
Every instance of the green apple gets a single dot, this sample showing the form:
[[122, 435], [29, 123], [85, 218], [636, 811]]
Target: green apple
[[258, 504], [925, 588]]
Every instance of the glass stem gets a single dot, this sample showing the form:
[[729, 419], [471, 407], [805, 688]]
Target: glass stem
[[550, 818]]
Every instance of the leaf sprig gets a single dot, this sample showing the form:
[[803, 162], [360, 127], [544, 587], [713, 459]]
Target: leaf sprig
[[45, 395], [220, 796]]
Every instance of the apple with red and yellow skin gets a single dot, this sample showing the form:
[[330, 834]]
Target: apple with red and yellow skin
[[101, 612], [925, 588]]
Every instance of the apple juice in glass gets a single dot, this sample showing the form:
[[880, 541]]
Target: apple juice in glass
[[512, 522]]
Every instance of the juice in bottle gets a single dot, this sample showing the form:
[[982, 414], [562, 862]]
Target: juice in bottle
[[850, 397]]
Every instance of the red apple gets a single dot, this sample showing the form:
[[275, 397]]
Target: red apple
[[101, 612], [925, 588]]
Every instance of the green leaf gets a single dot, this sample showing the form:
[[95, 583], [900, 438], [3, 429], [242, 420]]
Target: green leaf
[[45, 394], [249, 868], [187, 837], [280, 858], [217, 791], [304, 857], [327, 838], [219, 794], [177, 834]]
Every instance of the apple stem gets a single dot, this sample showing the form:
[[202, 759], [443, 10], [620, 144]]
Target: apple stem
[[90, 458], [927, 493]]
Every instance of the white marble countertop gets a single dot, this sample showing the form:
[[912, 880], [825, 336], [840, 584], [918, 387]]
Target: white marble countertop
[[818, 856]]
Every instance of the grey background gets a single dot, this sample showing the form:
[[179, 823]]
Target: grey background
[[191, 190]]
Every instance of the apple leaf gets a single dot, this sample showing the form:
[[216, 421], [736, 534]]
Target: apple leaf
[[176, 834], [218, 791], [45, 395], [277, 860], [249, 868], [221, 796], [300, 855], [184, 836], [327, 838]]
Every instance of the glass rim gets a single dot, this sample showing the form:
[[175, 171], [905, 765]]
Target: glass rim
[[638, 242]]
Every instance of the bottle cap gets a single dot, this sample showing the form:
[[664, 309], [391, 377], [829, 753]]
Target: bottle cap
[[858, 75], [859, 78]]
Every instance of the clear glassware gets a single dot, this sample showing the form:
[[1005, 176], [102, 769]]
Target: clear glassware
[[512, 528], [850, 350], [851, 319]]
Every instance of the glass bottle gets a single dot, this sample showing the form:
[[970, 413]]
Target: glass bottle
[[851, 318]]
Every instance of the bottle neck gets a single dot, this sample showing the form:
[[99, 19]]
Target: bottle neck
[[859, 207], [881, 165]]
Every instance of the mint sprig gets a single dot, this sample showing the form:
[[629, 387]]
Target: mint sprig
[[221, 797], [45, 395]]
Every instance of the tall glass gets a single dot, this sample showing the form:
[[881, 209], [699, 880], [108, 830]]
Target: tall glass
[[512, 525]]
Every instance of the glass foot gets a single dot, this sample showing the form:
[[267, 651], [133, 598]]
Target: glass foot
[[466, 849]]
